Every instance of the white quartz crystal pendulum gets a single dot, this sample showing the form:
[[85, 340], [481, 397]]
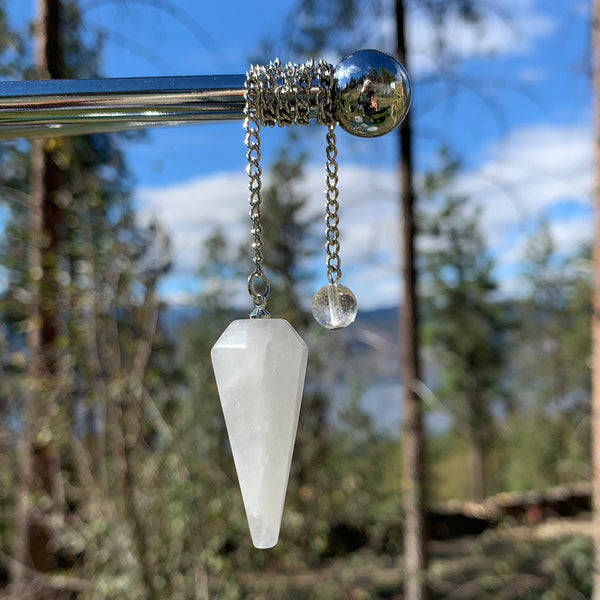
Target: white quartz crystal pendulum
[[259, 365], [334, 305]]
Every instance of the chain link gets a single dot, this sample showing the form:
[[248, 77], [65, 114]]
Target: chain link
[[325, 114], [278, 95], [332, 219], [267, 87], [304, 77], [252, 127], [284, 93]]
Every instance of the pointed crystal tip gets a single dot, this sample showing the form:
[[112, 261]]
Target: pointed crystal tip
[[263, 535]]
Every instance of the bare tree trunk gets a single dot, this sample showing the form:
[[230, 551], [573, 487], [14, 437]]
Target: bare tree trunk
[[415, 554], [596, 309], [21, 534], [131, 410], [47, 178], [43, 319], [478, 468]]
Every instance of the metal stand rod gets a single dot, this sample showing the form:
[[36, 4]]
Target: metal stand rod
[[74, 107], [64, 107]]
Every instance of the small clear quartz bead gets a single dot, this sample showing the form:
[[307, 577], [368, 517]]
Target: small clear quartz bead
[[334, 306]]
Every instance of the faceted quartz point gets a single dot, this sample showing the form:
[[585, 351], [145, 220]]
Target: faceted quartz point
[[259, 366], [334, 306]]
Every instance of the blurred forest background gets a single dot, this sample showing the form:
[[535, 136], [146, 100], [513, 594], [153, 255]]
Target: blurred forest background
[[116, 480]]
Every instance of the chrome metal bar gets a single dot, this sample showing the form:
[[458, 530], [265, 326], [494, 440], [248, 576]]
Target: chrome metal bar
[[75, 107]]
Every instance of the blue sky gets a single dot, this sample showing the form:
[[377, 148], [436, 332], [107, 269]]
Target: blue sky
[[516, 111]]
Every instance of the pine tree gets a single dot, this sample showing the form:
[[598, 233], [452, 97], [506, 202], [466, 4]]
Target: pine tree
[[549, 369], [595, 26], [82, 283], [462, 321], [413, 436]]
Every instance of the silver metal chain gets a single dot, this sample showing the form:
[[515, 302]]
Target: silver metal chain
[[325, 106], [278, 95], [325, 116], [304, 76], [285, 94], [332, 219], [252, 127]]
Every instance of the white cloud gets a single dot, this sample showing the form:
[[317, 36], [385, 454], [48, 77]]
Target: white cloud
[[569, 234], [530, 75], [526, 175], [507, 29], [532, 173], [192, 209], [529, 172], [368, 213]]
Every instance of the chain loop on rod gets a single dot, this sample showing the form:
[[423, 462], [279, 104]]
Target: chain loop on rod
[[280, 95]]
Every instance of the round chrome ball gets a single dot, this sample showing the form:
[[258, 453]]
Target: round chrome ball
[[373, 93]]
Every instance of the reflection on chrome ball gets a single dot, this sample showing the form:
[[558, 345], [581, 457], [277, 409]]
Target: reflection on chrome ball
[[373, 93]]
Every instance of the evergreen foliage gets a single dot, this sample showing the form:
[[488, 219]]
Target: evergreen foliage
[[463, 323], [550, 370]]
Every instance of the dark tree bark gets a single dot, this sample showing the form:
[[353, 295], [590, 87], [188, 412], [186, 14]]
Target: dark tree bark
[[30, 545], [21, 533], [415, 554], [479, 451], [596, 308], [46, 182]]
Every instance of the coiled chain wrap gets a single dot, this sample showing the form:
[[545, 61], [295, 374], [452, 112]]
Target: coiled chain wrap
[[285, 94]]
